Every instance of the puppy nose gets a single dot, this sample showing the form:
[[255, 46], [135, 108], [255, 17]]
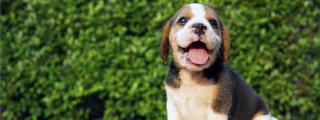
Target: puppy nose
[[199, 28]]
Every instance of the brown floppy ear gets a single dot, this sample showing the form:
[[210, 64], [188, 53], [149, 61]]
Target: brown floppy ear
[[165, 40], [225, 41]]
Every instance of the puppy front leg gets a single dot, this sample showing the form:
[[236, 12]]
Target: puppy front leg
[[172, 113]]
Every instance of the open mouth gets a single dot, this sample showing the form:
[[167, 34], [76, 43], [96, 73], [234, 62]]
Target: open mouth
[[197, 53]]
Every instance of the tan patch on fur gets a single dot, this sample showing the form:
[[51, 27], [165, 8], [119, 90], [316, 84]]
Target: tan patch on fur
[[215, 95], [165, 40], [185, 12], [260, 113], [225, 38], [210, 14]]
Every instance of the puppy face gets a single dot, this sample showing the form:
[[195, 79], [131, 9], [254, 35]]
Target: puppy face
[[196, 36]]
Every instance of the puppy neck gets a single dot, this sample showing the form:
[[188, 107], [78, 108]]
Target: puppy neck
[[192, 77], [177, 75]]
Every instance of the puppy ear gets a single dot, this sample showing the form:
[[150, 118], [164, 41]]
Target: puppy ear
[[165, 40], [225, 41]]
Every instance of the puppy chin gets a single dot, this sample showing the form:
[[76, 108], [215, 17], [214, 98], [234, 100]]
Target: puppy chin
[[193, 67]]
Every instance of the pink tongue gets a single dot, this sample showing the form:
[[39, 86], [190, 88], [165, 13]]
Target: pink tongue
[[198, 55]]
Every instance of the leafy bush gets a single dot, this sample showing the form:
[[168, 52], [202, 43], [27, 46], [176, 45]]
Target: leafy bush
[[100, 59]]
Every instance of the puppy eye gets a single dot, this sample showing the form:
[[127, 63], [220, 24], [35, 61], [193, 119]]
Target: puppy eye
[[213, 23], [182, 21]]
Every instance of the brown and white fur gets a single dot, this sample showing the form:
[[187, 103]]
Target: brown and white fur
[[209, 91]]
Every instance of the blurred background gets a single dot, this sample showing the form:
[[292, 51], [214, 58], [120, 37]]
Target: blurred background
[[80, 59]]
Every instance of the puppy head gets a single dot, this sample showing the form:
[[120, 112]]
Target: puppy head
[[197, 37]]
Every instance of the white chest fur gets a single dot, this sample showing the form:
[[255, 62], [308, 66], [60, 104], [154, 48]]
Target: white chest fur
[[192, 100]]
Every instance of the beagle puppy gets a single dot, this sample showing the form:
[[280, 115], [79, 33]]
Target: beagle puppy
[[198, 84]]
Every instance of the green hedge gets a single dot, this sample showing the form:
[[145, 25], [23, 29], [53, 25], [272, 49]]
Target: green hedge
[[81, 59]]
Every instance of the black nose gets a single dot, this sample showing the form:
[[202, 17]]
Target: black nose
[[199, 28]]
